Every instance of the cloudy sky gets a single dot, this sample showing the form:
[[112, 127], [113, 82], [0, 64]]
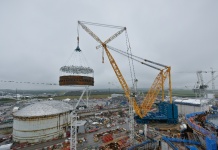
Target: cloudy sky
[[37, 37]]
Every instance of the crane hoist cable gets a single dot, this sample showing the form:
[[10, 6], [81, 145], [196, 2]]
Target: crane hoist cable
[[212, 79], [136, 58], [131, 65], [101, 25]]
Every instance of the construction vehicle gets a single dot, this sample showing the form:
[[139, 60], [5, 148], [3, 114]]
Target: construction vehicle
[[168, 112]]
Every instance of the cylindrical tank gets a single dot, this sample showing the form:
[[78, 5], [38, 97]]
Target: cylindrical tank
[[41, 121]]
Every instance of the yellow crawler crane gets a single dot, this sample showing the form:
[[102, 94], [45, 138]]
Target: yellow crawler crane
[[157, 85]]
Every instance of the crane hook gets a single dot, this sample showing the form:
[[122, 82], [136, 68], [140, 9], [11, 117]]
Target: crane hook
[[77, 48], [102, 55]]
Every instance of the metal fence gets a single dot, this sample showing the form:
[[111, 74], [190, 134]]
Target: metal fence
[[199, 128]]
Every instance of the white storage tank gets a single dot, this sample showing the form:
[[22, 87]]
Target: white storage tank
[[188, 105], [41, 121]]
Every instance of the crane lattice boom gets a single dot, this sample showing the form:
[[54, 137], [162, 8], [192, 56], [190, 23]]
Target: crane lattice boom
[[90, 32], [154, 91], [122, 81]]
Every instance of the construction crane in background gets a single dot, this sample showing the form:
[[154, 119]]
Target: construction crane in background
[[212, 80], [201, 87], [158, 84]]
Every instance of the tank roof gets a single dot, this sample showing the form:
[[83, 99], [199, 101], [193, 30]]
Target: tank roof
[[44, 108], [191, 101]]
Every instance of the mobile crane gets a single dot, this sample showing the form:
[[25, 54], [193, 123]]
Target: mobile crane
[[168, 112]]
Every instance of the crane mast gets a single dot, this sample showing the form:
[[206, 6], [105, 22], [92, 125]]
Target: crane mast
[[131, 98], [122, 82], [200, 87]]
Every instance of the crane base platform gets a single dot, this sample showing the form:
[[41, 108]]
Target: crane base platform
[[168, 113]]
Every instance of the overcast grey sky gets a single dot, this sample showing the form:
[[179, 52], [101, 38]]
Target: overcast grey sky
[[38, 36]]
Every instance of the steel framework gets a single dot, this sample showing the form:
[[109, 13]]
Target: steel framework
[[85, 90], [73, 131]]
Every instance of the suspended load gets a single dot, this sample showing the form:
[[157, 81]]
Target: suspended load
[[77, 69], [76, 72]]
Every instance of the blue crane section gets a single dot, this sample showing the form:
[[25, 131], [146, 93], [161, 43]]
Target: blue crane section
[[167, 113]]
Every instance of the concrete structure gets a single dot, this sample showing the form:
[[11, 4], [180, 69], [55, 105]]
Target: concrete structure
[[188, 105], [116, 95], [15, 109], [165, 146], [5, 147], [66, 100], [41, 121], [81, 126]]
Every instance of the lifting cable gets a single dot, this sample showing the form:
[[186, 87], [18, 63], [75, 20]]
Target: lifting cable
[[10, 81], [132, 57], [79, 59], [101, 25], [77, 45], [131, 65]]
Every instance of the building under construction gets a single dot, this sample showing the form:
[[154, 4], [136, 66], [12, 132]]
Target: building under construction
[[137, 125]]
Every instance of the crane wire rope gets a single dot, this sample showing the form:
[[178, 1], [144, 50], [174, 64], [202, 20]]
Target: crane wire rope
[[101, 25], [83, 56], [78, 30], [132, 56], [131, 65], [77, 40], [79, 62]]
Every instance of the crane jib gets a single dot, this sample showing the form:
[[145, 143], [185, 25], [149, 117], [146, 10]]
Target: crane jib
[[155, 63]]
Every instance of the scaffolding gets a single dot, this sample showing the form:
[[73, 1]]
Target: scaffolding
[[73, 130]]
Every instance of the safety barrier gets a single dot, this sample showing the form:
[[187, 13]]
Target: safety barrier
[[170, 140], [147, 142], [190, 147], [197, 127], [210, 144], [210, 138], [211, 116]]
